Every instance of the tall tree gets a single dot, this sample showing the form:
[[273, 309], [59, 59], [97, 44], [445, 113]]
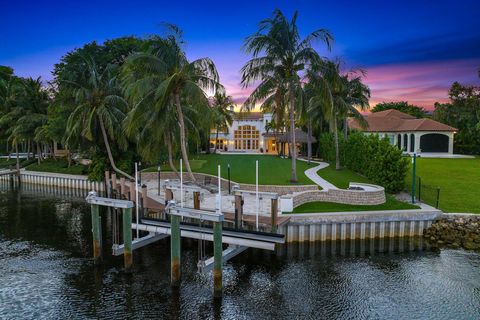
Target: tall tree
[[336, 97], [176, 81], [278, 50], [222, 108], [99, 105], [402, 106], [463, 113]]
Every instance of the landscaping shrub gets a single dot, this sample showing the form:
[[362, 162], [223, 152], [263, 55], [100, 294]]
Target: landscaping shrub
[[96, 170], [327, 146], [369, 156]]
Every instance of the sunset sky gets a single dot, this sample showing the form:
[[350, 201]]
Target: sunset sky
[[411, 50]]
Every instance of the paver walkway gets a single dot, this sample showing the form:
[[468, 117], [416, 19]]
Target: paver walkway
[[312, 175]]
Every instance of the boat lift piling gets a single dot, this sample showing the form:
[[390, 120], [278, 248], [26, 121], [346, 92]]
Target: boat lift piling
[[175, 236], [95, 201]]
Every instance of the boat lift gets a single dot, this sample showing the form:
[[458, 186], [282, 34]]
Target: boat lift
[[238, 240]]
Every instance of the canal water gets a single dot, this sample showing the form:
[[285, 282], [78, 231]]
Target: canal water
[[46, 273]]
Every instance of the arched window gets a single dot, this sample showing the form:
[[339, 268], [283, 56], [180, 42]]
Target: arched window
[[405, 142], [246, 138], [399, 141], [412, 142]]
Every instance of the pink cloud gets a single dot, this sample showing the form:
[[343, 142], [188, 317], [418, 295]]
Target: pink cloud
[[422, 84]]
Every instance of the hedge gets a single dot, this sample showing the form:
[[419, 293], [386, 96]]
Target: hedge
[[370, 156]]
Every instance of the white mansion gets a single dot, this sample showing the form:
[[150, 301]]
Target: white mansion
[[246, 134]]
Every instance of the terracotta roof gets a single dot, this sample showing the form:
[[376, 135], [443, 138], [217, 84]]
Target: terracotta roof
[[391, 113], [396, 121], [248, 116]]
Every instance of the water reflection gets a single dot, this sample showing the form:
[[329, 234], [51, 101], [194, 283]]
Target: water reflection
[[46, 272]]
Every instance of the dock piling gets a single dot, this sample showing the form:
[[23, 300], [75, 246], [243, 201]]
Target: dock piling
[[217, 256], [175, 250], [97, 234], [196, 200], [238, 210], [127, 238], [274, 211]]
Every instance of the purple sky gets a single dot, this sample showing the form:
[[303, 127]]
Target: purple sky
[[411, 50]]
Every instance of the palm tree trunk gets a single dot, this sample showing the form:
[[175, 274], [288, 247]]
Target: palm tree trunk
[[309, 141], [345, 128], [109, 152], [18, 159], [182, 137], [168, 141], [28, 149], [337, 149], [52, 150], [216, 142], [292, 139], [39, 152]]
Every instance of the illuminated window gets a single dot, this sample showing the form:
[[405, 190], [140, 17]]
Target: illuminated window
[[246, 138]]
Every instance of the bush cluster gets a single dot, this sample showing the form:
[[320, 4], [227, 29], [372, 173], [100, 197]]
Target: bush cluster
[[370, 156]]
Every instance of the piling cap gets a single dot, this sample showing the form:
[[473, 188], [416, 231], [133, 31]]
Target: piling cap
[[92, 193]]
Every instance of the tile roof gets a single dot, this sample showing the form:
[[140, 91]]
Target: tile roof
[[248, 116], [396, 121]]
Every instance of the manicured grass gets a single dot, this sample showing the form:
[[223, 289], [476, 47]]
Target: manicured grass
[[272, 170], [390, 204], [341, 178], [5, 163], [458, 180], [58, 166]]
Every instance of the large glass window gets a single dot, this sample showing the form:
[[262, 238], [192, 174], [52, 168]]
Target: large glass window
[[246, 138]]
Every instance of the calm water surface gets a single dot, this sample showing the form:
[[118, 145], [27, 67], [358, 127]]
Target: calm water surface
[[45, 272]]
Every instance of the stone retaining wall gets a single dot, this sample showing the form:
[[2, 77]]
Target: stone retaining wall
[[455, 231], [356, 197], [202, 178]]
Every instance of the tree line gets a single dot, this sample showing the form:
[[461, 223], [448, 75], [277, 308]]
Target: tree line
[[133, 98]]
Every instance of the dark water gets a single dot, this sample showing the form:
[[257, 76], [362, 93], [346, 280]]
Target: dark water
[[45, 272]]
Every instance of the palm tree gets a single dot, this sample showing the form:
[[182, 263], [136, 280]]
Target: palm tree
[[336, 97], [222, 113], [171, 80], [98, 104], [33, 102], [279, 51]]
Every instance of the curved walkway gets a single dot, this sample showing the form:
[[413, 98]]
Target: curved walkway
[[312, 175]]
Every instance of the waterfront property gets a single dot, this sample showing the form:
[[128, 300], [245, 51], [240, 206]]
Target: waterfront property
[[409, 133]]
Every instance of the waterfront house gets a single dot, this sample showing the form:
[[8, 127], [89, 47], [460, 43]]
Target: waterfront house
[[250, 133], [409, 133]]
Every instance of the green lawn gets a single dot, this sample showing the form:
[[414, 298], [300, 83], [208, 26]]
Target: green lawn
[[458, 180], [341, 178], [58, 166], [272, 170], [5, 163], [390, 204]]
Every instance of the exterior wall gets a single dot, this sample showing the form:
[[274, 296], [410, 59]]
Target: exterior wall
[[356, 197], [230, 136], [417, 135]]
